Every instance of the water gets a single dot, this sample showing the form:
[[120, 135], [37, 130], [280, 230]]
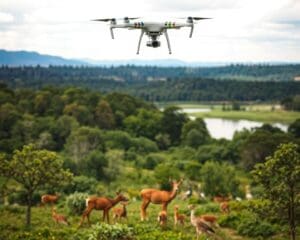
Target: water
[[224, 128]]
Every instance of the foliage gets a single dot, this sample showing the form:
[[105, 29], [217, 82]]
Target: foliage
[[260, 144], [76, 203], [32, 169], [105, 231], [195, 133], [280, 177], [219, 179], [294, 128]]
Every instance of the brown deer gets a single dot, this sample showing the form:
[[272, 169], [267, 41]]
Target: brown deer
[[119, 213], [200, 224], [162, 218], [211, 219], [158, 197], [178, 218], [220, 199], [224, 207], [47, 198], [101, 203], [58, 218]]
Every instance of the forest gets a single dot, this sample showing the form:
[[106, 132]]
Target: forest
[[77, 142], [167, 84]]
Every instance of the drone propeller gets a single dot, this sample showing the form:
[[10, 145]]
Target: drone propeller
[[200, 18], [104, 19]]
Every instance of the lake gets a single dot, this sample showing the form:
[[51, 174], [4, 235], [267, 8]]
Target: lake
[[225, 128]]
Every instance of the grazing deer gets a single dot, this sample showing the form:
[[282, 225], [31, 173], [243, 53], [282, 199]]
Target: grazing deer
[[119, 213], [220, 199], [224, 207], [101, 203], [178, 217], [211, 219], [199, 224], [59, 218], [47, 198], [162, 218], [158, 197]]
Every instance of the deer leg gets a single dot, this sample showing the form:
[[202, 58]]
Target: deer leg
[[164, 206], [143, 209], [107, 215]]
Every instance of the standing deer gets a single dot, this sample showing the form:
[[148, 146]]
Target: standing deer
[[101, 203], [224, 207], [158, 197], [59, 218], [199, 224], [119, 213], [47, 198], [178, 217], [162, 218]]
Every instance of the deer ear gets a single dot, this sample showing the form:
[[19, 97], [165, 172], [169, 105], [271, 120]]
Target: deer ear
[[118, 192]]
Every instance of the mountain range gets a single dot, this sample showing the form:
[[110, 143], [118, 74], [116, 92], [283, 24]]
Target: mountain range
[[28, 58]]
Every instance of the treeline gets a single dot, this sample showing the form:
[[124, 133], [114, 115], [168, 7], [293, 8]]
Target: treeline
[[162, 84]]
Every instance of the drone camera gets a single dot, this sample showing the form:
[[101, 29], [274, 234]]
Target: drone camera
[[153, 44]]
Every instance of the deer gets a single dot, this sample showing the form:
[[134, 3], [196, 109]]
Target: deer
[[211, 219], [220, 199], [224, 207], [162, 218], [119, 213], [178, 217], [101, 203], [47, 198], [58, 218], [199, 223], [155, 196]]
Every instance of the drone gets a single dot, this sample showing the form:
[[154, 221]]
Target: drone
[[152, 29]]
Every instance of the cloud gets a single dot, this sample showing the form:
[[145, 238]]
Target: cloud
[[6, 17]]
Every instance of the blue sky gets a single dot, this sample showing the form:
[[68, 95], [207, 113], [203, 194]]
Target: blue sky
[[240, 31]]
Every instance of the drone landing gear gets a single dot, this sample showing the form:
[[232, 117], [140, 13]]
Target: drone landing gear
[[168, 41], [140, 40]]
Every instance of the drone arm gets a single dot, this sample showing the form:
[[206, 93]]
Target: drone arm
[[192, 30], [112, 33], [168, 41], [140, 40]]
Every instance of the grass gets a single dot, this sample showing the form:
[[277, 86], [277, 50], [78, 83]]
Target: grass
[[12, 220], [267, 113]]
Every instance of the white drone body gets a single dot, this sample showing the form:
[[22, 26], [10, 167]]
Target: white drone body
[[152, 29]]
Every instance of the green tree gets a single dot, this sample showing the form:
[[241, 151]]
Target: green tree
[[82, 141], [195, 133], [219, 179], [104, 117], [34, 169], [280, 177], [172, 122], [294, 128]]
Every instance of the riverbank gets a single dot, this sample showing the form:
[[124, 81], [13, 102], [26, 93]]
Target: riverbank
[[266, 113]]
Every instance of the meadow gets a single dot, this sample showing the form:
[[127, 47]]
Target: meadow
[[43, 227]]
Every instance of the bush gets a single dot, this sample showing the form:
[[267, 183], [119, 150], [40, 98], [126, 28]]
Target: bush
[[105, 231], [253, 227], [76, 203]]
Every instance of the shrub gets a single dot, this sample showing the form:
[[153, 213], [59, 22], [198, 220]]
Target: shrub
[[105, 231], [253, 227], [76, 203]]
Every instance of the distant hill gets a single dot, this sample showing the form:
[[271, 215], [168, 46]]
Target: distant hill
[[25, 58]]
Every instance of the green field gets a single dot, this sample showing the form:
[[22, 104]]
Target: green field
[[43, 227], [267, 113]]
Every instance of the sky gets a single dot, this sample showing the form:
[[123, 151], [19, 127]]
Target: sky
[[240, 31]]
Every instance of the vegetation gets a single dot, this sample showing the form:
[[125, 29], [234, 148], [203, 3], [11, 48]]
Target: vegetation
[[280, 177], [114, 141]]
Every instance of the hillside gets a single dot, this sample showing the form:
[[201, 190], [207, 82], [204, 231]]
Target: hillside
[[25, 58]]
